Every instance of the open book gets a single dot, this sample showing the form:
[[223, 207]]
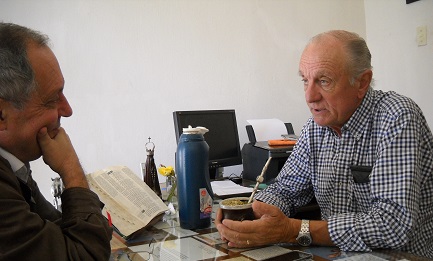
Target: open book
[[130, 204]]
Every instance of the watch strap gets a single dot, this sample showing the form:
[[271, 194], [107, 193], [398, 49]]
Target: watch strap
[[305, 227], [304, 237]]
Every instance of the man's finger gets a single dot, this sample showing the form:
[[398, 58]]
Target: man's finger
[[43, 136]]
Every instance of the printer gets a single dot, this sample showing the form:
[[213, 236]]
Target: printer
[[256, 153]]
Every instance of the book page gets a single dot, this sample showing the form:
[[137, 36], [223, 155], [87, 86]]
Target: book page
[[129, 201], [115, 213]]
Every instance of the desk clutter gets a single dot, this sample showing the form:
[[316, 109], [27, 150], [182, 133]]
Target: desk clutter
[[167, 241], [173, 233]]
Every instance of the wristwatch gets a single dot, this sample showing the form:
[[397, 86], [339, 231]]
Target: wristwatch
[[304, 237]]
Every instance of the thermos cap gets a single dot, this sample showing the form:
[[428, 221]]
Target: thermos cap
[[196, 130]]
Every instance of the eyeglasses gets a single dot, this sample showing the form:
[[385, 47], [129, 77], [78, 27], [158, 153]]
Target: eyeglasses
[[128, 255]]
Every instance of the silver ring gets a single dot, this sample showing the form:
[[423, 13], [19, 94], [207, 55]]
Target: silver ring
[[248, 242]]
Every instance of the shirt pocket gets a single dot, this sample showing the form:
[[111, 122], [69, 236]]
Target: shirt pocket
[[361, 186]]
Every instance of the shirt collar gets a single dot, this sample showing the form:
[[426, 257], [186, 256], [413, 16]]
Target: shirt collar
[[358, 122], [18, 167]]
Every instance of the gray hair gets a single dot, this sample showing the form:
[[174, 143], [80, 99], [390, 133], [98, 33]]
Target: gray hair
[[17, 78], [359, 56]]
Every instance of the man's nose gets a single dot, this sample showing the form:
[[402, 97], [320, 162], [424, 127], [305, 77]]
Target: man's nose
[[312, 93], [65, 110]]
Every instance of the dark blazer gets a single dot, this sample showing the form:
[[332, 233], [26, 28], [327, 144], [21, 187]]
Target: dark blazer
[[32, 229]]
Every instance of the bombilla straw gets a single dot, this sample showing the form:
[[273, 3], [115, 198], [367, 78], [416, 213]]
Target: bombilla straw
[[259, 180]]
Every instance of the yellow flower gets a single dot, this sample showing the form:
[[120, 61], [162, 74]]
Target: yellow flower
[[166, 171]]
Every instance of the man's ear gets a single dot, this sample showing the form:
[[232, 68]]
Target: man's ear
[[364, 82]]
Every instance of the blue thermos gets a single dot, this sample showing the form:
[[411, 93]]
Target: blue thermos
[[194, 192]]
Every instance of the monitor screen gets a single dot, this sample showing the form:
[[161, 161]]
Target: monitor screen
[[222, 138]]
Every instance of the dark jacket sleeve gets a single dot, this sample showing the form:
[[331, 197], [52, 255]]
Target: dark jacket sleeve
[[32, 229]]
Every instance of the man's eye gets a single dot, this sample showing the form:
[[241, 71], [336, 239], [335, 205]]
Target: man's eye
[[52, 103], [305, 83], [324, 82]]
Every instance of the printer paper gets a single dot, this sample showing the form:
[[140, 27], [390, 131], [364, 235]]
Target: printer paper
[[228, 187], [268, 129]]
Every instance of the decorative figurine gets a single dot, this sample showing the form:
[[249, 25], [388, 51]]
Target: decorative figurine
[[150, 175], [56, 190]]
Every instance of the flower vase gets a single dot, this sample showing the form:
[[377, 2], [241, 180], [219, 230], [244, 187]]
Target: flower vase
[[170, 184]]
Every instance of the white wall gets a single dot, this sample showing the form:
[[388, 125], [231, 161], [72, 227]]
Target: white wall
[[129, 64], [399, 63]]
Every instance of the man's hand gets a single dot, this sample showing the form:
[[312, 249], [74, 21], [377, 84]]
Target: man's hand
[[59, 154], [270, 227]]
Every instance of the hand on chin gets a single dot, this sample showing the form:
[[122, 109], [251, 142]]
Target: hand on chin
[[53, 133]]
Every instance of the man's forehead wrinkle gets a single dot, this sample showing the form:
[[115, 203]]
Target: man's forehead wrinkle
[[52, 79], [319, 67], [317, 71]]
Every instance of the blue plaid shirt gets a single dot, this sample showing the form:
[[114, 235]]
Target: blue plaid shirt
[[374, 184]]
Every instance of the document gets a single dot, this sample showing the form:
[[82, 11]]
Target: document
[[268, 129], [130, 204], [225, 188]]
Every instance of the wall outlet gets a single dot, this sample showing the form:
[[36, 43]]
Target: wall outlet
[[421, 35]]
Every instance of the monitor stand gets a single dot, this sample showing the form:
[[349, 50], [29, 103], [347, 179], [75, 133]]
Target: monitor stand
[[216, 173]]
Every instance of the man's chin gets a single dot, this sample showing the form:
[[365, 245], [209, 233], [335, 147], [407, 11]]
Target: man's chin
[[34, 157], [320, 121]]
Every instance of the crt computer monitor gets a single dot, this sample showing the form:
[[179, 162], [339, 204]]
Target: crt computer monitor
[[222, 138]]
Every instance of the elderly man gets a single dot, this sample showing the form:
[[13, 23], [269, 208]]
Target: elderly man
[[366, 155], [31, 106]]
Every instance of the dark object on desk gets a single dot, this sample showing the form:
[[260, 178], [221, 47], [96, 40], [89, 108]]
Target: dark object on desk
[[236, 180], [256, 153], [246, 194]]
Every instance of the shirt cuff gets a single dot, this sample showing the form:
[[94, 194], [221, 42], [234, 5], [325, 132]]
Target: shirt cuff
[[80, 200], [275, 200], [342, 230]]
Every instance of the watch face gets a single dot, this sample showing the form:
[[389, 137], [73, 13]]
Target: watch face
[[304, 240]]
